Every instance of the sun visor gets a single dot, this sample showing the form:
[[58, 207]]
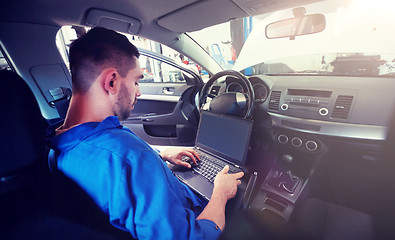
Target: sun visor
[[200, 15], [111, 20]]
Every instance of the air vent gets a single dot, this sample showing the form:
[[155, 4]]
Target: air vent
[[342, 107], [274, 101], [214, 90]]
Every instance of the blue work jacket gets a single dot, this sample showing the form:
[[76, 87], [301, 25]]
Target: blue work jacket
[[130, 182]]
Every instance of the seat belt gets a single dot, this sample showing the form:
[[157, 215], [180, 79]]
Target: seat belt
[[52, 161], [61, 101]]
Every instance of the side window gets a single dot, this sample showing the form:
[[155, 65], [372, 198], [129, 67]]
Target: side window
[[65, 36], [3, 62], [158, 71], [155, 71]]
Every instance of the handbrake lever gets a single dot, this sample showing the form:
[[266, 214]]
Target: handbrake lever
[[249, 189]]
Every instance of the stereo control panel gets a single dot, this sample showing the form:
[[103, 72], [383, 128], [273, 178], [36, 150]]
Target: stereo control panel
[[319, 104]]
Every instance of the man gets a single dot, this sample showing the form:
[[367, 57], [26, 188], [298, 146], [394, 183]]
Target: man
[[127, 178]]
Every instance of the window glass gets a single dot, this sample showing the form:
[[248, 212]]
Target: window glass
[[154, 70], [65, 36], [3, 62], [157, 71], [351, 44]]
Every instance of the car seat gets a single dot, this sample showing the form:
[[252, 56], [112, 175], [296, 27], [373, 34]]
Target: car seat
[[21, 150], [324, 220], [72, 203], [33, 202], [22, 131]]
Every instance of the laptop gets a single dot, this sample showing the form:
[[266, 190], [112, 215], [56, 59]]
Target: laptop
[[221, 140]]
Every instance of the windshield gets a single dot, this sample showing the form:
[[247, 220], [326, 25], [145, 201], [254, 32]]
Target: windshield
[[358, 40]]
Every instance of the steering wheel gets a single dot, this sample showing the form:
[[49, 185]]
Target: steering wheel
[[231, 102]]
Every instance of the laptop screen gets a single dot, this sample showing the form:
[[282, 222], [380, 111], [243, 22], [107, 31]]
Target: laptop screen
[[225, 136]]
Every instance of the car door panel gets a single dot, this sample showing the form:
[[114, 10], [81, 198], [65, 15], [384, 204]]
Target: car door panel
[[165, 114]]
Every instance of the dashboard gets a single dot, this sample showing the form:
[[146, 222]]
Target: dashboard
[[340, 106], [261, 88], [322, 131]]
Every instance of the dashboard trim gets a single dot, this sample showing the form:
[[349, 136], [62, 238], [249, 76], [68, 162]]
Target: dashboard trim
[[336, 129]]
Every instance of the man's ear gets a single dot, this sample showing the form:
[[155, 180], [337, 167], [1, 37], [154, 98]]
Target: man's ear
[[111, 81]]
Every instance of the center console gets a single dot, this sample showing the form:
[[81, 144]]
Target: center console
[[279, 192], [287, 181]]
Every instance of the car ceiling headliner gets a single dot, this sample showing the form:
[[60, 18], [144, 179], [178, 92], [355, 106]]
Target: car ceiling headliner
[[166, 16], [62, 12]]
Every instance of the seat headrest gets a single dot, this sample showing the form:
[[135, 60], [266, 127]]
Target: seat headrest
[[21, 125]]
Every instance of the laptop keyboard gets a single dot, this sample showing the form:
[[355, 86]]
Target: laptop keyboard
[[209, 166]]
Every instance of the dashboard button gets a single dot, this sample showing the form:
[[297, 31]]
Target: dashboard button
[[284, 107], [296, 142], [311, 145], [323, 111], [282, 138]]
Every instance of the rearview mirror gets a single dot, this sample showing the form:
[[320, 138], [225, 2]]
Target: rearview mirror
[[298, 26]]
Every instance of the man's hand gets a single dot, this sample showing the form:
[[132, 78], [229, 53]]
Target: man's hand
[[225, 185], [174, 156], [225, 188]]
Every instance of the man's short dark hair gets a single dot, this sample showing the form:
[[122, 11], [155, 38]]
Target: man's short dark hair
[[96, 50]]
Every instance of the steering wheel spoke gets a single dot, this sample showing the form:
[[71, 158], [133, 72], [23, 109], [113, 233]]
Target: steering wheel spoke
[[211, 95], [229, 103]]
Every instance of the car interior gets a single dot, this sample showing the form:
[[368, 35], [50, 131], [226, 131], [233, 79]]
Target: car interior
[[321, 152]]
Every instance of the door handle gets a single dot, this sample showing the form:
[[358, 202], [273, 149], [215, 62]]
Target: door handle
[[147, 120], [168, 90]]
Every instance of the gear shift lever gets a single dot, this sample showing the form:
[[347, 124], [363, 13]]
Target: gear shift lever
[[286, 161], [290, 182], [283, 179]]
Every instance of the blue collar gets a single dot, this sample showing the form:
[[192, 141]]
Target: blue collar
[[75, 135]]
